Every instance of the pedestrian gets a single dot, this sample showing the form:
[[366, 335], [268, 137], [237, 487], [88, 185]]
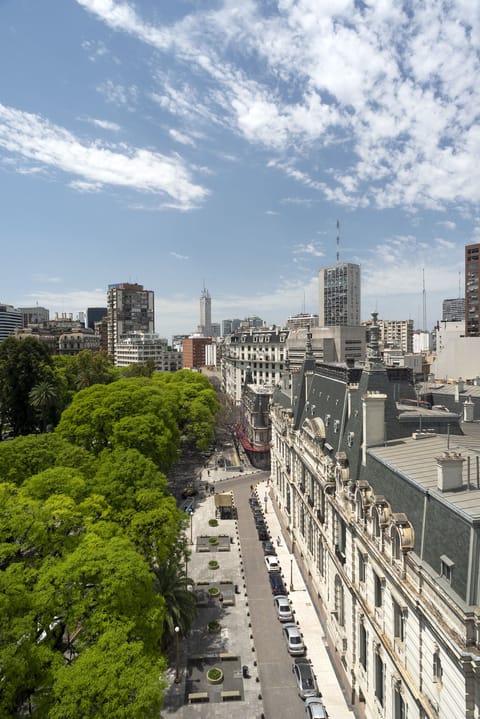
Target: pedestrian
[[279, 541]]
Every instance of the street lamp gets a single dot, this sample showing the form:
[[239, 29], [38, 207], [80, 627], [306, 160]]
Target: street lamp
[[177, 657], [291, 575], [191, 527]]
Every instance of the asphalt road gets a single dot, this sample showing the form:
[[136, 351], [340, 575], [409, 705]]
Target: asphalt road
[[280, 697]]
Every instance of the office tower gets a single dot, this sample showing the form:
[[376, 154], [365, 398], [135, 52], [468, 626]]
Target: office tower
[[472, 290], [453, 310], [34, 315], [130, 308], [339, 295], [10, 320], [95, 314], [205, 326]]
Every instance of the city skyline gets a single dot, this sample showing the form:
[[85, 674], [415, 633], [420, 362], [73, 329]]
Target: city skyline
[[217, 144]]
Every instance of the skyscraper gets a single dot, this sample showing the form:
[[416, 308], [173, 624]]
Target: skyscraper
[[205, 326], [339, 295], [472, 290], [130, 308]]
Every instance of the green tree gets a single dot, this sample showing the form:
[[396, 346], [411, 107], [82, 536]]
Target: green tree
[[100, 582], [26, 660], [180, 604], [25, 456], [43, 398], [112, 678], [24, 364]]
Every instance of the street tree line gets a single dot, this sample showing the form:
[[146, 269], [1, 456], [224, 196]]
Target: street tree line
[[92, 549]]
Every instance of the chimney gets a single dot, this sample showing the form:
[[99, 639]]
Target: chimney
[[459, 387], [373, 421], [468, 410], [449, 471]]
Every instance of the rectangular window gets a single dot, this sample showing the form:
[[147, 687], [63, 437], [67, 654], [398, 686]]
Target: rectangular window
[[363, 646], [378, 591], [362, 567], [400, 712], [379, 673], [398, 622], [446, 568]]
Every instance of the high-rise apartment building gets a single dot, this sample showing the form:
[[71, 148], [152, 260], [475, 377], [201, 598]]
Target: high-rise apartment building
[[453, 310], [472, 290], [130, 308], [339, 295], [205, 326]]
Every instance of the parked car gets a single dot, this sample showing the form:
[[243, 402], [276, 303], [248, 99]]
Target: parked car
[[283, 608], [305, 678], [188, 505], [268, 548], [293, 639], [262, 533], [315, 708], [272, 563], [276, 582]]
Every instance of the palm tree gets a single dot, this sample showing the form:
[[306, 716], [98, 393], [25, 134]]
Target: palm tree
[[181, 609], [43, 397]]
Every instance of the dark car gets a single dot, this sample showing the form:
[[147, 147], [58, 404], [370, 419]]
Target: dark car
[[188, 505], [262, 533], [276, 582], [268, 548]]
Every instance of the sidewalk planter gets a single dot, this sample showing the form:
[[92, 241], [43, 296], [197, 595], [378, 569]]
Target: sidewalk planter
[[213, 522], [215, 675], [214, 627], [213, 564], [214, 592]]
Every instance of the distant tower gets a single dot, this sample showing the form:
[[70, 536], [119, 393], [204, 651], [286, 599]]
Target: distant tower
[[205, 313], [339, 292]]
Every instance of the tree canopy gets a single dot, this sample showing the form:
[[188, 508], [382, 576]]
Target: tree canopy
[[92, 549]]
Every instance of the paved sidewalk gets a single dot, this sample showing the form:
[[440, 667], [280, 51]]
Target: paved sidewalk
[[306, 617]]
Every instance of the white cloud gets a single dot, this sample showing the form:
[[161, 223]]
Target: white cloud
[[271, 212], [179, 257], [310, 248], [181, 137], [34, 138], [448, 224], [121, 95], [397, 91], [104, 124]]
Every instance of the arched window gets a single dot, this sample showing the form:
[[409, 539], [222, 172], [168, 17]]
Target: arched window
[[396, 544]]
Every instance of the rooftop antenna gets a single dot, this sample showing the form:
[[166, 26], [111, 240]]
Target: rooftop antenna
[[338, 241], [424, 298], [459, 284]]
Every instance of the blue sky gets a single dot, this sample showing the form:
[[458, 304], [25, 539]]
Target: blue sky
[[189, 142]]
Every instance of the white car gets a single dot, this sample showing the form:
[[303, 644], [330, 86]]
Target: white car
[[283, 608], [315, 708], [294, 639], [272, 563]]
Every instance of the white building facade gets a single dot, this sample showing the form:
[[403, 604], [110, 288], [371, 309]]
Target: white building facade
[[384, 525], [140, 348]]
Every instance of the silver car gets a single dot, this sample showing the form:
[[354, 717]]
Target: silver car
[[315, 708], [293, 638], [283, 608], [305, 678]]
